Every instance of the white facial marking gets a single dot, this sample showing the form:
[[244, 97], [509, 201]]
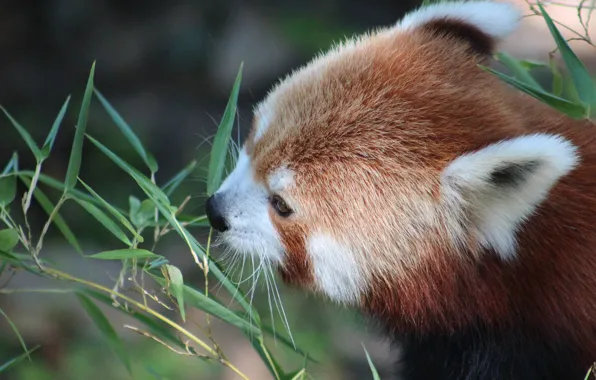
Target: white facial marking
[[497, 19], [245, 205], [264, 120], [538, 161], [281, 179], [337, 273]]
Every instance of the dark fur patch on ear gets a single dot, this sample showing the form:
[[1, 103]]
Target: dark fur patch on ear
[[479, 42], [513, 174]]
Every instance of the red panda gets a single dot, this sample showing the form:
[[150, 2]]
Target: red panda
[[394, 175]]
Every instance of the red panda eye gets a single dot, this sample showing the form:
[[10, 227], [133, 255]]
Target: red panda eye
[[280, 206]]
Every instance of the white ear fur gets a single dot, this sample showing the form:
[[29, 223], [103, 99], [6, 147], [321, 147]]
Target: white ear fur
[[501, 185], [496, 19]]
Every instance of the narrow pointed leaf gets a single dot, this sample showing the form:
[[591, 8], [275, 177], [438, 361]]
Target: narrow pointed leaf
[[134, 173], [163, 205], [49, 143], [585, 86], [55, 184], [519, 72], [25, 135], [58, 221], [199, 300], [16, 331], [117, 214], [557, 78], [105, 220], [372, 366], [219, 151], [573, 110], [106, 329], [176, 283], [74, 164], [157, 327], [128, 133], [119, 254], [9, 238], [8, 182], [173, 183], [14, 361], [144, 213]]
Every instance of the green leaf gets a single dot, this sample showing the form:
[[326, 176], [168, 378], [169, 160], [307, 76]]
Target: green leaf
[[173, 183], [199, 300], [16, 331], [106, 329], [176, 284], [117, 214], [105, 220], [49, 143], [9, 238], [372, 366], [8, 181], [519, 72], [128, 133], [557, 78], [272, 365], [134, 173], [119, 254], [55, 184], [74, 164], [144, 212], [573, 110], [219, 151], [298, 375], [163, 205], [586, 88], [14, 361], [288, 343], [58, 221], [530, 65], [25, 135], [157, 327]]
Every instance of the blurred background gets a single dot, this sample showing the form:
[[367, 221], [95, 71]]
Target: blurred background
[[168, 68]]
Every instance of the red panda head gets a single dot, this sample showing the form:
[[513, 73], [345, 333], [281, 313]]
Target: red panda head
[[388, 154]]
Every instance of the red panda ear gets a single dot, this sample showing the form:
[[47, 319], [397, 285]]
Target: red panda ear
[[501, 185], [480, 24]]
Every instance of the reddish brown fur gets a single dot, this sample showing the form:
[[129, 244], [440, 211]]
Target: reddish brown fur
[[398, 108]]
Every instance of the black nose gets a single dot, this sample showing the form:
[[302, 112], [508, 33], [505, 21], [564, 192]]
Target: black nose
[[216, 219]]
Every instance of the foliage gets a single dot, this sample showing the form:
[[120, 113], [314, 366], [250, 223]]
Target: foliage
[[156, 216]]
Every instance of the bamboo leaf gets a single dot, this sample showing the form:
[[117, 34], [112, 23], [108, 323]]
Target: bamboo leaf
[[74, 164], [58, 221], [176, 284], [49, 143], [8, 181], [16, 331], [173, 183], [119, 254], [9, 238], [585, 86], [372, 366], [14, 361], [128, 133], [219, 151], [117, 214], [106, 329], [167, 211], [573, 110], [25, 135], [105, 220], [199, 300], [519, 72], [156, 327]]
